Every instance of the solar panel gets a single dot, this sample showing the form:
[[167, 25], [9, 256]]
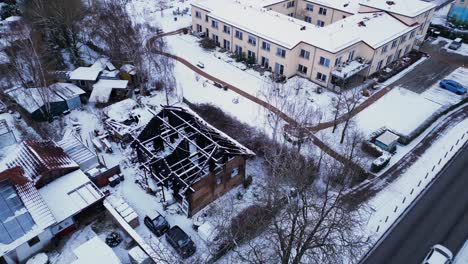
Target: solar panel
[[15, 220]]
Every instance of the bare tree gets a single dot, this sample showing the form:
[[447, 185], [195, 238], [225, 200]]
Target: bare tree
[[57, 23], [28, 67], [123, 42], [313, 225], [288, 107], [350, 101]]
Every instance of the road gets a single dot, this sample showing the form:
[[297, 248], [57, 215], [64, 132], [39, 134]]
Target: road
[[439, 217]]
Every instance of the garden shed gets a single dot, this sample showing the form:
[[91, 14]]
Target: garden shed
[[387, 141]]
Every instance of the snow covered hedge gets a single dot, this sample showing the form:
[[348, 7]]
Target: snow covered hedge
[[406, 139]]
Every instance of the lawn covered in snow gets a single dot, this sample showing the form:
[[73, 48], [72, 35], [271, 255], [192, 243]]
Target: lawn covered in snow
[[400, 110], [169, 15]]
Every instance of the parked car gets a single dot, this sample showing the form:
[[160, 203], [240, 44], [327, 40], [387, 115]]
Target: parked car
[[157, 224], [201, 65], [452, 86], [438, 255], [180, 241], [456, 44]]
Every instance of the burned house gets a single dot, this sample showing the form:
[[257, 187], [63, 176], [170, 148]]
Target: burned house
[[196, 162]]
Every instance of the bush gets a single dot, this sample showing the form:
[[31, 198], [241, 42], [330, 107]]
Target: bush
[[406, 139], [207, 43], [381, 162], [371, 149], [247, 182]]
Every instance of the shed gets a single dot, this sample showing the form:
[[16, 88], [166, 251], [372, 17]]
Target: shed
[[68, 92], [387, 141], [36, 100]]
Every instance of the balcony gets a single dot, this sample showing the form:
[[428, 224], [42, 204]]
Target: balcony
[[347, 70]]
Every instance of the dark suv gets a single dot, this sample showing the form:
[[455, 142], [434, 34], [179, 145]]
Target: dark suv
[[158, 224], [180, 241]]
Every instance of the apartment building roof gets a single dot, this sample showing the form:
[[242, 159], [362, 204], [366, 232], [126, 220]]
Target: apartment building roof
[[409, 8], [348, 6], [289, 32], [363, 27]]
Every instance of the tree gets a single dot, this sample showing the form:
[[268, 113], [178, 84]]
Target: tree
[[126, 42], [28, 66], [315, 225], [350, 101], [57, 23]]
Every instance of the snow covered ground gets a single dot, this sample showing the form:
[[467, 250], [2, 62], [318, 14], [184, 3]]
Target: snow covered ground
[[400, 110], [393, 200], [160, 13], [463, 50]]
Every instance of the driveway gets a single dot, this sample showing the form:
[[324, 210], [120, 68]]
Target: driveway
[[440, 64]]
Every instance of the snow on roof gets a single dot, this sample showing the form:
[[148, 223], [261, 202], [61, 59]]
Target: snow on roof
[[70, 194], [80, 153], [13, 18], [95, 251], [66, 90], [103, 88], [31, 99], [288, 32], [33, 214], [85, 74], [92, 72], [365, 27], [111, 83], [409, 8], [103, 63], [349, 6], [273, 26], [388, 138], [121, 111], [128, 68], [36, 158]]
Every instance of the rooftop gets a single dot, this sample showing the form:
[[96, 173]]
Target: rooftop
[[23, 213], [36, 158], [409, 8], [388, 138], [66, 90], [288, 32], [349, 6], [70, 194], [31, 99]]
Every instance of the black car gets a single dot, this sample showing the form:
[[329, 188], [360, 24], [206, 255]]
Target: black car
[[180, 241], [158, 224]]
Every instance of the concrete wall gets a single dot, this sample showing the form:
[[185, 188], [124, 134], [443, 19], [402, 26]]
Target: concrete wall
[[24, 251]]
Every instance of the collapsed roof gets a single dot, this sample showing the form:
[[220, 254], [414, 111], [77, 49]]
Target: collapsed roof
[[178, 146]]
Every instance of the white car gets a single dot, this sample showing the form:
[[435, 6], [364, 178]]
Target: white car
[[201, 65], [438, 255]]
